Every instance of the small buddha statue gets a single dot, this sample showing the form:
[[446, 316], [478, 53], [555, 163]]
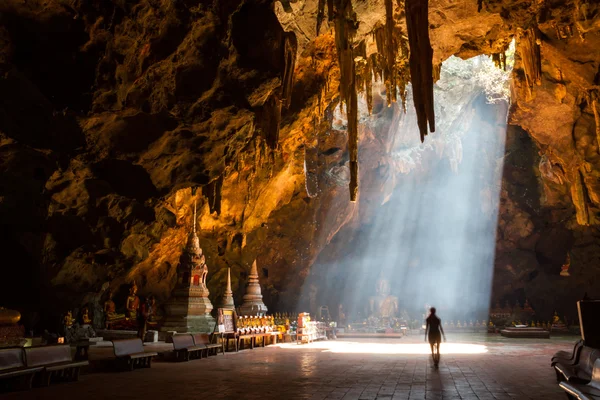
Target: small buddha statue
[[110, 313], [556, 319], [85, 317], [68, 319], [470, 323], [133, 302], [538, 325], [491, 324]]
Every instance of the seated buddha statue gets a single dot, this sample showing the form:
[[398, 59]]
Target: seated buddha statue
[[68, 319], [110, 313], [133, 302], [85, 317], [556, 319], [383, 304]]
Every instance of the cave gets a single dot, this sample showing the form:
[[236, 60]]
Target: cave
[[245, 164]]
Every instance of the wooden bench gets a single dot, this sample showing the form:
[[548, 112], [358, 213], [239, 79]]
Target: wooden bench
[[202, 339], [13, 371], [581, 372], [185, 348], [56, 361], [565, 357], [590, 391], [131, 353]]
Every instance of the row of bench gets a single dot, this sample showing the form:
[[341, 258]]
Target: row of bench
[[188, 346], [19, 366], [579, 372]]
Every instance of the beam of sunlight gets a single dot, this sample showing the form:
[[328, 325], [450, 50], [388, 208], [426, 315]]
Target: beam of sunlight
[[341, 346], [431, 239]]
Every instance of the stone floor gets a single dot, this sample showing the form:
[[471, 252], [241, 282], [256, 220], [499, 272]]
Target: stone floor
[[472, 367]]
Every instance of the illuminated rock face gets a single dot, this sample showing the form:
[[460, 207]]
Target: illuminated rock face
[[111, 113]]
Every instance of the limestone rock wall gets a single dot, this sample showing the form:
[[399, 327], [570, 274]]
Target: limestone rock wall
[[116, 116]]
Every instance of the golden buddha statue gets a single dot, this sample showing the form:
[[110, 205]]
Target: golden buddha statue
[[85, 318], [68, 319], [133, 302], [383, 304], [556, 319], [110, 313]]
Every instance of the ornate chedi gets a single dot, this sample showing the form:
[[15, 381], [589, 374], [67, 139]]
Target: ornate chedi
[[227, 302], [253, 304], [188, 309]]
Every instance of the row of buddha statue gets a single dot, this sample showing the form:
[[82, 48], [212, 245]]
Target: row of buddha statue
[[264, 324], [109, 309]]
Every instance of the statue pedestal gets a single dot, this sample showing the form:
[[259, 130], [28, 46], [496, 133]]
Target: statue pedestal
[[190, 324], [12, 336], [189, 314]]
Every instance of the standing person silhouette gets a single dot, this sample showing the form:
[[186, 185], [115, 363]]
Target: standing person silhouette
[[434, 332]]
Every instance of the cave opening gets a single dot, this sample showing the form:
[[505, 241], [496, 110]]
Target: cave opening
[[431, 240]]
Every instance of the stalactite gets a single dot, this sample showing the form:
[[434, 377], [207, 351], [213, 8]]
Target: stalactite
[[320, 15], [421, 63], [391, 49], [596, 110], [345, 27], [499, 58], [403, 69], [578, 194], [212, 191], [390, 63], [437, 71], [529, 50], [364, 77], [268, 117], [290, 48], [479, 5]]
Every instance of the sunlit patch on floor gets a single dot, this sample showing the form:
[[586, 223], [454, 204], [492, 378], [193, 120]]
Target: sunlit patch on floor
[[387, 348]]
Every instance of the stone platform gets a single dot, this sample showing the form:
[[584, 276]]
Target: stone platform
[[528, 333], [363, 335], [472, 367]]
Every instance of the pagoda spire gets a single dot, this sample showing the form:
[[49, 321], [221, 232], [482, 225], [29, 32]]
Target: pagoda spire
[[228, 302], [194, 220]]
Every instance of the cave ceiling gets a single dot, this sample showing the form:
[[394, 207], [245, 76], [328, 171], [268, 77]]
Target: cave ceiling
[[116, 116]]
